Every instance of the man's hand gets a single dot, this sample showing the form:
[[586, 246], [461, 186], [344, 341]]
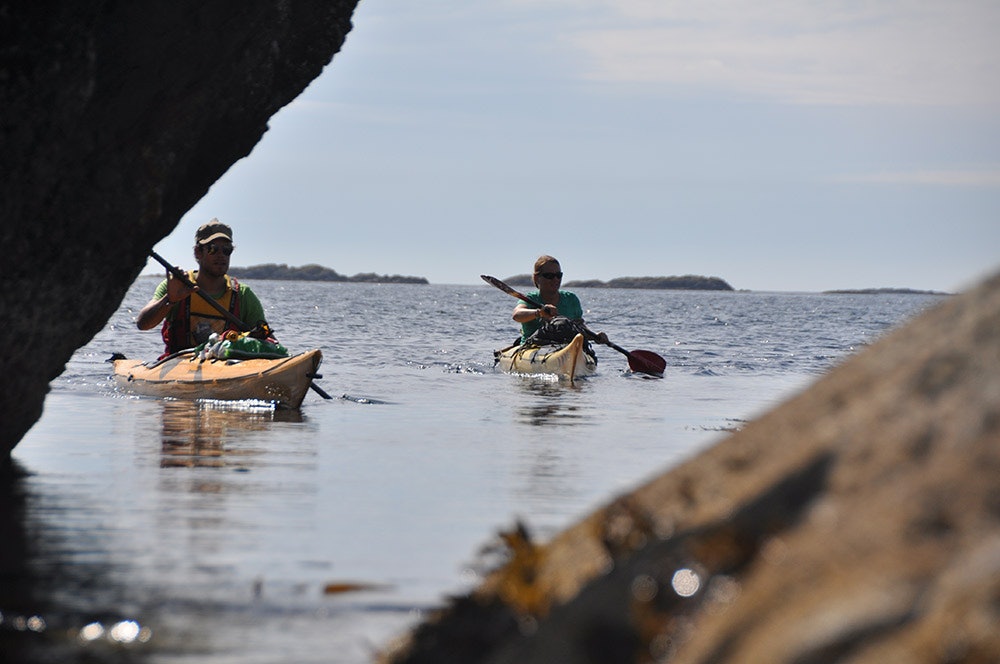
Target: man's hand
[[177, 289], [262, 331]]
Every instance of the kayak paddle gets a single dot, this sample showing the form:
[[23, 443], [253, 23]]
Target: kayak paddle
[[639, 361], [228, 315]]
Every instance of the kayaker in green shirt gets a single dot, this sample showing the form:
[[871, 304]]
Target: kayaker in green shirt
[[187, 319], [547, 277]]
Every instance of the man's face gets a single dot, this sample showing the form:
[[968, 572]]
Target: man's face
[[213, 257]]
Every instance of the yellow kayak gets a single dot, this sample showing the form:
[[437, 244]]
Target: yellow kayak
[[283, 381], [568, 361]]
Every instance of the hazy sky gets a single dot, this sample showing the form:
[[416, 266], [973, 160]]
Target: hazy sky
[[777, 144]]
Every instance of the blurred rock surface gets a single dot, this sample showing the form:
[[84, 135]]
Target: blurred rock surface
[[857, 522]]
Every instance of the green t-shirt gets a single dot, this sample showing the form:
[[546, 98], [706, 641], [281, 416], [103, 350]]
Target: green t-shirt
[[569, 306], [251, 310]]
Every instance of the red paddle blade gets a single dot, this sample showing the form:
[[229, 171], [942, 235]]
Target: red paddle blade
[[646, 361]]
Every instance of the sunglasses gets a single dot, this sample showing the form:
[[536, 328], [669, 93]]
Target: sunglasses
[[213, 249], [550, 275]]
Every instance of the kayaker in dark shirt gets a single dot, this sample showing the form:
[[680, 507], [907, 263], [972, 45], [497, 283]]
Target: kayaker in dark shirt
[[547, 277], [187, 319]]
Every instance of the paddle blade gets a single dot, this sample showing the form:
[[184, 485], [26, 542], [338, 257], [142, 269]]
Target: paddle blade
[[647, 362]]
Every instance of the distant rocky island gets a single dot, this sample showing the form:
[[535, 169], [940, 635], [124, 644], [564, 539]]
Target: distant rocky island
[[686, 282], [883, 291], [312, 272]]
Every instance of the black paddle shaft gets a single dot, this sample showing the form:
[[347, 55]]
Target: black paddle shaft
[[641, 361], [493, 281], [179, 274]]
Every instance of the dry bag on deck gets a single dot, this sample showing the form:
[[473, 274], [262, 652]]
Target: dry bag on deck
[[240, 348]]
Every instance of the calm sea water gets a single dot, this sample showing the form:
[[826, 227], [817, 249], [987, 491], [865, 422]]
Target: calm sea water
[[162, 531]]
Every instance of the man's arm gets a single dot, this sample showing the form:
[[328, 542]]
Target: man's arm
[[167, 294], [154, 312]]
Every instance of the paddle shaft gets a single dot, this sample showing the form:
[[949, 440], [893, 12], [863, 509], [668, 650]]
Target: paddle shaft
[[240, 325], [642, 364], [510, 291], [179, 274], [493, 281], [530, 300]]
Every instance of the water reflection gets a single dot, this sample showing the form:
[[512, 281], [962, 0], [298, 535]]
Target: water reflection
[[17, 590], [39, 621], [552, 403], [200, 433]]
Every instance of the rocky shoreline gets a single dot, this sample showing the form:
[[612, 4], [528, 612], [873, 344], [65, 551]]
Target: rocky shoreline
[[883, 291], [312, 272], [685, 282]]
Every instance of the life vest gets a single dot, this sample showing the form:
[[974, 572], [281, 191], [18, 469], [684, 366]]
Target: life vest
[[195, 319]]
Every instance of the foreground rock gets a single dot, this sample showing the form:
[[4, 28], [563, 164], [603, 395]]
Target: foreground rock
[[858, 522], [117, 118]]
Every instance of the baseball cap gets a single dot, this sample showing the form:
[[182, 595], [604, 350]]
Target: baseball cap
[[213, 230]]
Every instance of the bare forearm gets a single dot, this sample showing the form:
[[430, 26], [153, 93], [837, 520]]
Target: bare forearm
[[526, 314], [153, 313]]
